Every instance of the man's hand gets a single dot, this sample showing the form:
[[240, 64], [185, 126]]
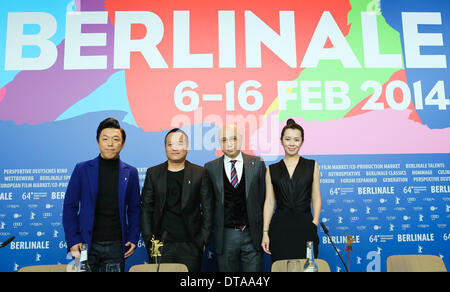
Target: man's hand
[[76, 250], [130, 251]]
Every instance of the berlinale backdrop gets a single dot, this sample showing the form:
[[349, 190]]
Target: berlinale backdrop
[[367, 79]]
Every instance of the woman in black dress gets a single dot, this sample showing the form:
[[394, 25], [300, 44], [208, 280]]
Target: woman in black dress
[[292, 184]]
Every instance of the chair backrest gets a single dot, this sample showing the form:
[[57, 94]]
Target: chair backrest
[[282, 265], [164, 267], [415, 263], [48, 268]]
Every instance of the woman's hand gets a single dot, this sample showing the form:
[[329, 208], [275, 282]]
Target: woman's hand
[[316, 222], [265, 243]]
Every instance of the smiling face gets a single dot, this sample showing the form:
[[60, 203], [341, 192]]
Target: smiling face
[[110, 143], [292, 141], [176, 147]]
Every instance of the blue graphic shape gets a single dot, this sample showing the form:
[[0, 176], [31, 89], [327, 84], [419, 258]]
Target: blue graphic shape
[[384, 223], [57, 9], [62, 144], [392, 11], [110, 96]]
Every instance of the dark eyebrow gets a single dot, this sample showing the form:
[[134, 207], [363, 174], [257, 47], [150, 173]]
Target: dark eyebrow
[[108, 136]]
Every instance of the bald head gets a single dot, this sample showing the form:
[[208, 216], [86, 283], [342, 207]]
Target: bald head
[[230, 140]]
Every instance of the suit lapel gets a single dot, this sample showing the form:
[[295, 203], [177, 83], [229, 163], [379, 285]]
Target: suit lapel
[[124, 174], [219, 176], [248, 169], [162, 183], [93, 178], [187, 184]]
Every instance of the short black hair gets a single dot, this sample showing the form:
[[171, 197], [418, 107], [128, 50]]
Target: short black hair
[[173, 131], [110, 123]]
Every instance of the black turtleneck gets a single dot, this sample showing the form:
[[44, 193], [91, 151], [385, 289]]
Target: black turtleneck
[[107, 219]]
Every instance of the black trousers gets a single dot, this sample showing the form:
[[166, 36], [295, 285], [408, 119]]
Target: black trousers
[[239, 251], [105, 256], [187, 253]]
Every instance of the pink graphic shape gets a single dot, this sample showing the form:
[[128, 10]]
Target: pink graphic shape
[[2, 93], [377, 132]]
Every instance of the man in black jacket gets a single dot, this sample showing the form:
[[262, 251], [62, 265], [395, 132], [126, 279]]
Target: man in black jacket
[[238, 185], [175, 205]]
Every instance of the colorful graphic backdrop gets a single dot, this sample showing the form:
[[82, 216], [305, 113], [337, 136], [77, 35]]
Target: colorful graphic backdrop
[[367, 79]]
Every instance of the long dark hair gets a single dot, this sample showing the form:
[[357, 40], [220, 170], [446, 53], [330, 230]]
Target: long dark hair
[[291, 124]]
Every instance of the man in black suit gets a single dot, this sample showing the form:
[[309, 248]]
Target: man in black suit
[[176, 206], [238, 184]]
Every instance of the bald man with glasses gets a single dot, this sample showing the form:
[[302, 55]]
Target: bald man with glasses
[[238, 185]]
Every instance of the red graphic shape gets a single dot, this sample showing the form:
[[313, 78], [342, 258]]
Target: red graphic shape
[[151, 91]]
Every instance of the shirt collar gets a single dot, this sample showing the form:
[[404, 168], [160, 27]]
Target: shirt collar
[[238, 158]]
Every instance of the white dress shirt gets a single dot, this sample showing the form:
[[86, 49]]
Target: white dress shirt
[[239, 165]]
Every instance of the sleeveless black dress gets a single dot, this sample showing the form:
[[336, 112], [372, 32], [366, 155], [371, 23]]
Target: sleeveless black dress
[[291, 225]]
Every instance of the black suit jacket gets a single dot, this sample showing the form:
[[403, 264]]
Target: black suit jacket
[[255, 193], [196, 203]]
